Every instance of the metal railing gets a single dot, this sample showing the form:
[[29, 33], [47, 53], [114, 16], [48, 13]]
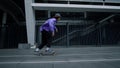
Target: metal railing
[[82, 32]]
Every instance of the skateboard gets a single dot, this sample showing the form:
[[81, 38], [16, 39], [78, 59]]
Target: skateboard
[[44, 53], [47, 53]]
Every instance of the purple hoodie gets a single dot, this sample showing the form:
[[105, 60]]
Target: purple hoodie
[[49, 25]]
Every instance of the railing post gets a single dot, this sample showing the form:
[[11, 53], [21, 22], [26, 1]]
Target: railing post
[[68, 1], [100, 37], [68, 43], [103, 2]]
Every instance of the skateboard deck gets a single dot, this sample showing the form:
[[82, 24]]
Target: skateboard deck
[[47, 53], [43, 53]]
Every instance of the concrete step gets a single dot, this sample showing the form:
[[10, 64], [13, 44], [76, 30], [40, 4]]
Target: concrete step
[[85, 57]]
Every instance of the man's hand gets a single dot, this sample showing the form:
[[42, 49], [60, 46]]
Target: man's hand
[[53, 34], [56, 30]]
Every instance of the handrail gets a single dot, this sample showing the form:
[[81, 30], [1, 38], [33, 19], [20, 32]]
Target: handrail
[[88, 29], [98, 25]]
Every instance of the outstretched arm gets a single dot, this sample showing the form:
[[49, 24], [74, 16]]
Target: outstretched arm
[[56, 29]]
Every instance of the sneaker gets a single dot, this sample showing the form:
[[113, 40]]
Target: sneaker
[[37, 50]]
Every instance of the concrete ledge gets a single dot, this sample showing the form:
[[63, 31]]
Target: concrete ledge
[[23, 46]]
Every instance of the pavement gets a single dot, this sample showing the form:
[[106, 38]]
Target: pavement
[[73, 57]]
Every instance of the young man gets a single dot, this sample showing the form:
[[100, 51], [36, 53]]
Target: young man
[[48, 32]]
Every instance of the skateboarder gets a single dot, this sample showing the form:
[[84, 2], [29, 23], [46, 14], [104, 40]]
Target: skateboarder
[[48, 30]]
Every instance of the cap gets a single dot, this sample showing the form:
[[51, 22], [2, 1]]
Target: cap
[[57, 15]]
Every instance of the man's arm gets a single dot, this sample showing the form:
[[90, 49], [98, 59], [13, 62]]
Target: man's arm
[[53, 34], [56, 29], [52, 27]]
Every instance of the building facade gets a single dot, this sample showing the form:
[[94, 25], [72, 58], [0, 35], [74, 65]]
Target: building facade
[[83, 22]]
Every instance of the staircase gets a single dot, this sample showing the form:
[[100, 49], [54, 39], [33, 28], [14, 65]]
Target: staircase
[[89, 57], [84, 31]]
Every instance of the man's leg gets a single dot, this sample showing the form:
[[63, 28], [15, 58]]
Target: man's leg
[[49, 41], [43, 42]]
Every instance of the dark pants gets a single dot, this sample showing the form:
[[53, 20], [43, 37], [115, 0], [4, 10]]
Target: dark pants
[[46, 39]]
